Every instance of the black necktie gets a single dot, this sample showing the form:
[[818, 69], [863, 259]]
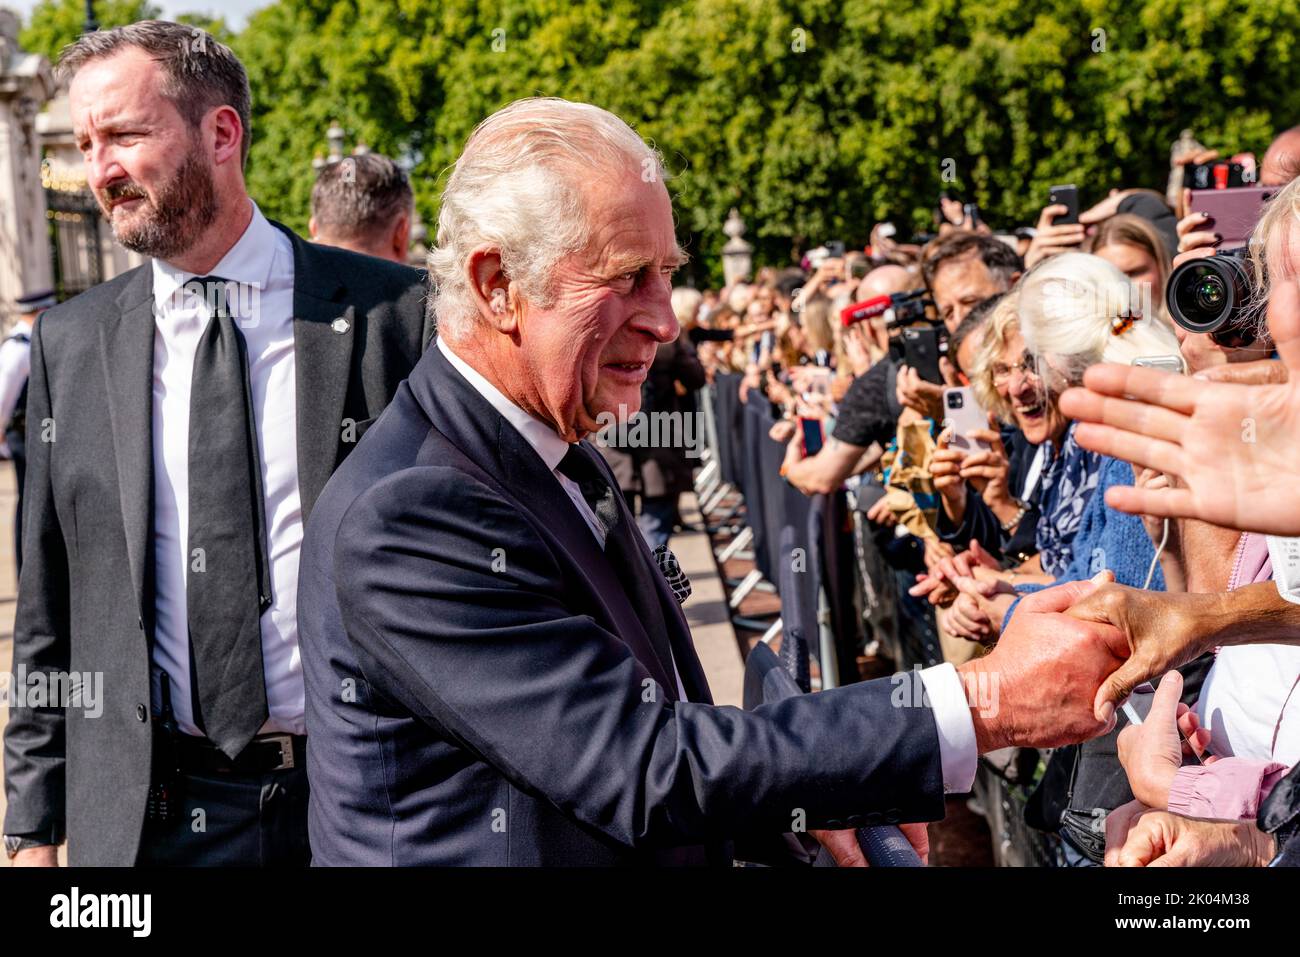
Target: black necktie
[[597, 492], [228, 575], [627, 553]]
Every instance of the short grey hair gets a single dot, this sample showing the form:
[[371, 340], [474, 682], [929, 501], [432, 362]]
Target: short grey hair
[[358, 196], [517, 186], [199, 72]]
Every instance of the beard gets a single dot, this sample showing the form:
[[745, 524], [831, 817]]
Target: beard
[[166, 226]]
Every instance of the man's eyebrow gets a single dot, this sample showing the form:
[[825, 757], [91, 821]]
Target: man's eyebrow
[[621, 264]]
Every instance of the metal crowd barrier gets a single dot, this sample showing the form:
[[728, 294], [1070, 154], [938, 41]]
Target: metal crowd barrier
[[801, 547]]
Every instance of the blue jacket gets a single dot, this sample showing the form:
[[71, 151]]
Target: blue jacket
[[1107, 539]]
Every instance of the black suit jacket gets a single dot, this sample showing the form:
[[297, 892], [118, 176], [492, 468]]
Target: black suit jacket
[[86, 596], [479, 677]]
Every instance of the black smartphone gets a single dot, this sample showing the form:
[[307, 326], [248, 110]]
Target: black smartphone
[[1067, 196], [813, 437], [922, 347], [972, 212], [1218, 174], [869, 493]]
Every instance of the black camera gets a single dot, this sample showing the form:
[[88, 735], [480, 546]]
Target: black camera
[[907, 309], [1216, 295]]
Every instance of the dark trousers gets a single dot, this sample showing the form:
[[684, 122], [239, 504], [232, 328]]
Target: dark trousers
[[233, 820], [656, 518], [19, 452]]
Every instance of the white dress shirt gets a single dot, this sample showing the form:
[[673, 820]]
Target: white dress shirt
[[546, 443], [958, 753], [15, 364], [262, 262]]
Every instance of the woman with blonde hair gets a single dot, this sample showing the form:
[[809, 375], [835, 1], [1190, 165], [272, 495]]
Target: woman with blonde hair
[[1073, 310]]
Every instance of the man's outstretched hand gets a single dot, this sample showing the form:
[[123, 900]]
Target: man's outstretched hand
[[1234, 446], [1037, 687], [843, 845]]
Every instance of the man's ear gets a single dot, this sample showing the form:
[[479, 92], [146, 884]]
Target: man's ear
[[402, 237], [228, 135], [311, 228], [490, 287]]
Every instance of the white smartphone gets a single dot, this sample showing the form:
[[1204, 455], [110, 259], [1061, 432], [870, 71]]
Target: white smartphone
[[962, 413]]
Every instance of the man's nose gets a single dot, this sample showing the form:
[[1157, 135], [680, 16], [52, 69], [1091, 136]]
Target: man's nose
[[659, 321], [102, 168]]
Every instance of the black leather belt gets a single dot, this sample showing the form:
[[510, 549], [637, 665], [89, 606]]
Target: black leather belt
[[266, 752]]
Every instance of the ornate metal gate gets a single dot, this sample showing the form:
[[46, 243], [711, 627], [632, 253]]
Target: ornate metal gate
[[73, 218]]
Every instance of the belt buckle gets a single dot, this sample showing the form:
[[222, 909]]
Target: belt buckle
[[285, 742]]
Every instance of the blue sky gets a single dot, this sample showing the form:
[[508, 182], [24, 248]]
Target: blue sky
[[235, 11]]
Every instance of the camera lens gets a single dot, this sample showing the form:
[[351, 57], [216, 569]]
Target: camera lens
[[1210, 294], [1213, 295], [955, 400]]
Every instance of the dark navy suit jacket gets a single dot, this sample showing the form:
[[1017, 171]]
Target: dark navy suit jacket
[[483, 687]]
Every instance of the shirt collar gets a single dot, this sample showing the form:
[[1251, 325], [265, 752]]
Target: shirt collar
[[247, 262], [544, 440]]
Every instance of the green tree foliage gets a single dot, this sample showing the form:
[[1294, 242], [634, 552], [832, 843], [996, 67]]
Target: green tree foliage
[[54, 24], [815, 118]]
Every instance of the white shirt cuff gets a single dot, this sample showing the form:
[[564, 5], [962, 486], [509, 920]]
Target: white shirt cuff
[[958, 753]]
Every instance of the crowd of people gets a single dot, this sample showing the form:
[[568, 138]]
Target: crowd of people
[[318, 542], [963, 517]]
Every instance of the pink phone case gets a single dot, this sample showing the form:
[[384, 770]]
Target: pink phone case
[[1234, 211]]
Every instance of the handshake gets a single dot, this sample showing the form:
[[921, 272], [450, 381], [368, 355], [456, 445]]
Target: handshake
[[1040, 685], [1074, 652]]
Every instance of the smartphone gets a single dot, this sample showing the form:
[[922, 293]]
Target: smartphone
[[813, 437], [962, 413], [922, 347], [1067, 196], [835, 250], [868, 494], [1169, 363], [972, 213], [1219, 174], [1233, 212]]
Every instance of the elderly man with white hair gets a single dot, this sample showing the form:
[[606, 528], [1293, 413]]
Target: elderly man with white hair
[[497, 672]]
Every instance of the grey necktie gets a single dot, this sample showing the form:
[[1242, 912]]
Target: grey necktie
[[228, 578]]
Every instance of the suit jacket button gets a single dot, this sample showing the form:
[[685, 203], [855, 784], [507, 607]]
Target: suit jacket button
[[834, 824], [853, 820], [142, 712]]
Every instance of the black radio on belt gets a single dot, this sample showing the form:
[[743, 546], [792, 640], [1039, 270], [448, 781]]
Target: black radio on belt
[[164, 802]]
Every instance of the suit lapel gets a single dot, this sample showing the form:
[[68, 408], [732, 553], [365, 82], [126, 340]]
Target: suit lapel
[[126, 341], [469, 422], [323, 336]]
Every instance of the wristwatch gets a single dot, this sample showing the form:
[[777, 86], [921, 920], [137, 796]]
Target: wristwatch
[[17, 842]]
